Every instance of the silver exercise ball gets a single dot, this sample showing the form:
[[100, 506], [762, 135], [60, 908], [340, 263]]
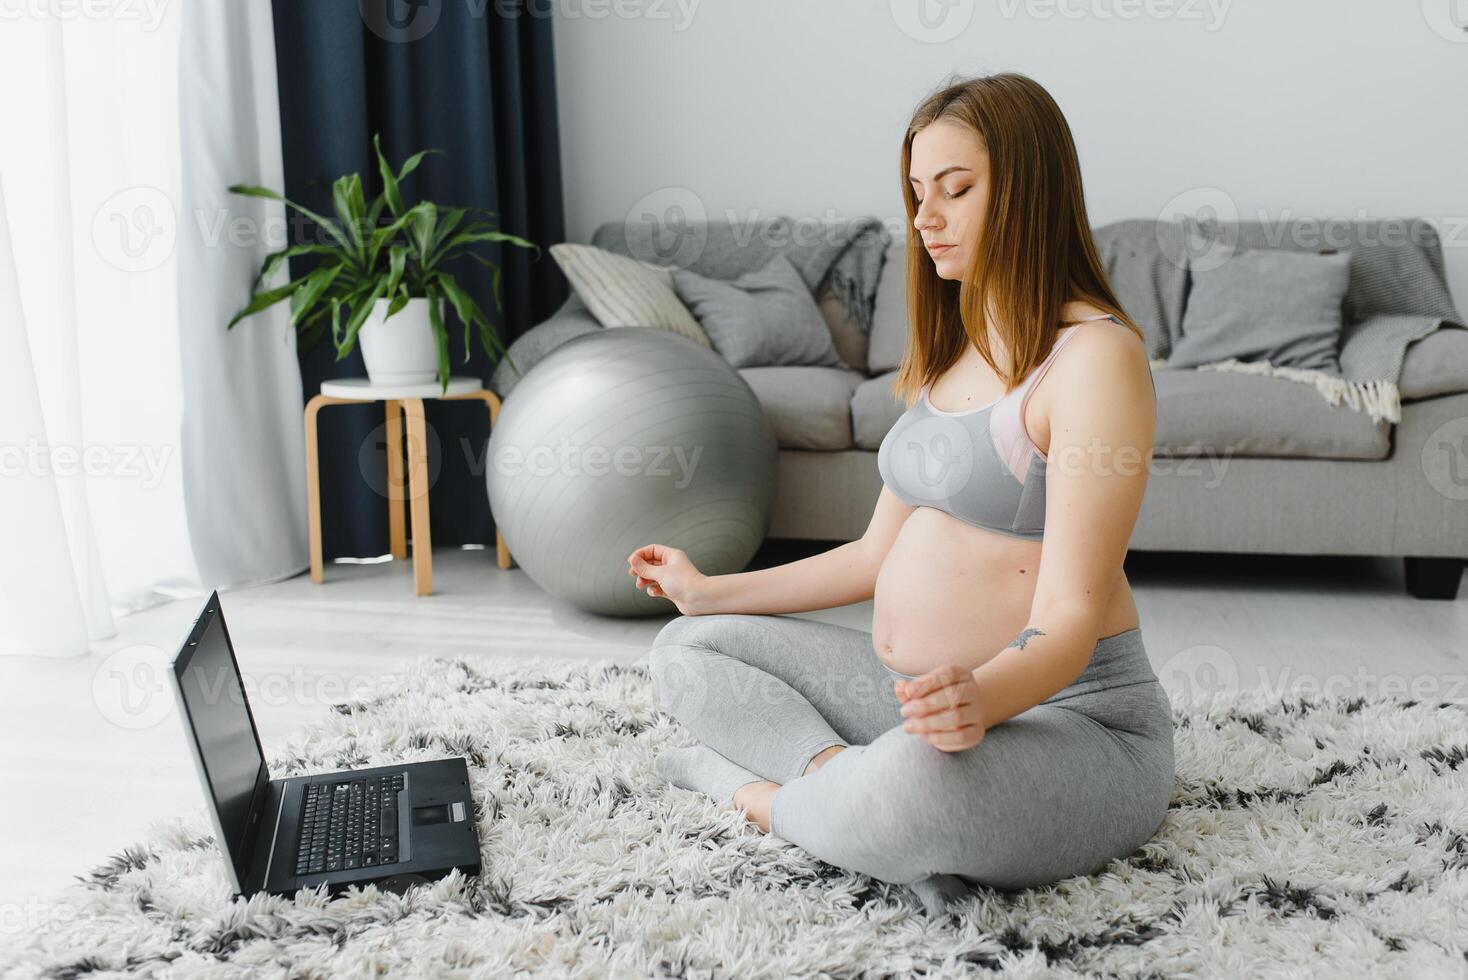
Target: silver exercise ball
[[624, 437]]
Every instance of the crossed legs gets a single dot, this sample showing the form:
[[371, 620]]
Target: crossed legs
[[772, 699], [781, 702], [772, 693], [1058, 790]]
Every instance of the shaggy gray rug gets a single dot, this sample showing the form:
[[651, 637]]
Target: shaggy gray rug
[[1318, 836]]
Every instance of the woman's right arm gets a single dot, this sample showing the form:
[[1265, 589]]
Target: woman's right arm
[[838, 577]]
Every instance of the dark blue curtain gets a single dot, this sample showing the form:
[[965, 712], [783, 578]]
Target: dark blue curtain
[[477, 81]]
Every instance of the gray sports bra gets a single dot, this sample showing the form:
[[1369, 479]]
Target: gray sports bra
[[978, 465]]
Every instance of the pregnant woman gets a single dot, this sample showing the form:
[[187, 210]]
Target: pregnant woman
[[1001, 724]]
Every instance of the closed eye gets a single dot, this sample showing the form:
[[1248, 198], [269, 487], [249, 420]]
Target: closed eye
[[949, 195]]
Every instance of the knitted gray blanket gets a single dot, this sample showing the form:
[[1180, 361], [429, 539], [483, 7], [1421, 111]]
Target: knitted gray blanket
[[1397, 293], [844, 254]]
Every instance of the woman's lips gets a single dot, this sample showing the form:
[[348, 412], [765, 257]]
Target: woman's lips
[[937, 250]]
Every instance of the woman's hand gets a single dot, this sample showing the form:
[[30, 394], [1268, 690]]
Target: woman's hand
[[667, 573], [943, 707]]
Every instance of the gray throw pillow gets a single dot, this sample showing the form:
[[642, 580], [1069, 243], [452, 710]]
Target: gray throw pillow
[[1266, 304], [764, 318], [623, 292]]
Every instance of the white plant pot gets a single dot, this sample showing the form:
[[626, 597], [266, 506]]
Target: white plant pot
[[400, 351]]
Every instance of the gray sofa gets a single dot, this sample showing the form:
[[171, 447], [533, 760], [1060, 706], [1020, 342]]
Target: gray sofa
[[1243, 463]]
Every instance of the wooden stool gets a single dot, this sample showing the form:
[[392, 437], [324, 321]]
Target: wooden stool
[[403, 402]]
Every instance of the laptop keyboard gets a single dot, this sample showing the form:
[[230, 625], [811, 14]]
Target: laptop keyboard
[[348, 825]]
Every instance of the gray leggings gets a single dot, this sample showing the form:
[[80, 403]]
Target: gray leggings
[[1059, 790]]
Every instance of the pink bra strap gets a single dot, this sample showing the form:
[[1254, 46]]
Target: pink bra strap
[[1044, 365], [1020, 436]]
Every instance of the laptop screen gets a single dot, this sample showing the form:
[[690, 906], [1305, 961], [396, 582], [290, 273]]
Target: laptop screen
[[229, 753]]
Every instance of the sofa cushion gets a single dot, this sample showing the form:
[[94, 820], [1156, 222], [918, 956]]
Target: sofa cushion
[[1220, 413], [572, 320], [1265, 304], [1436, 365], [874, 410], [1147, 264], [808, 407], [765, 318], [1238, 414], [889, 314], [622, 292], [846, 334]]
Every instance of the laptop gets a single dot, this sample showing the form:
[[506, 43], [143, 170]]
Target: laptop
[[394, 826]]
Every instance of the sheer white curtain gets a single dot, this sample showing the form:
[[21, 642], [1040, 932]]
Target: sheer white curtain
[[144, 451]]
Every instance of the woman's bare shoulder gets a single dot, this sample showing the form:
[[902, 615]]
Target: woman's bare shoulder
[[1105, 345], [1104, 361]]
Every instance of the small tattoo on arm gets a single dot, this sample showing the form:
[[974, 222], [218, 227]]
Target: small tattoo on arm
[[1024, 637]]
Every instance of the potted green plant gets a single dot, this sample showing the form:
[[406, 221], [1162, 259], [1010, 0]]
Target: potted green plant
[[382, 260]]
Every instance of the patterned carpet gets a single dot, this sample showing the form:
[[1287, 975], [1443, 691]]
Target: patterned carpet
[[1307, 836]]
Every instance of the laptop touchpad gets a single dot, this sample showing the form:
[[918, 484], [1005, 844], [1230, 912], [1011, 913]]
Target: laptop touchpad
[[433, 813]]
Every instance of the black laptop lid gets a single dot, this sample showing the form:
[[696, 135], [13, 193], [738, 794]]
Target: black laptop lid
[[228, 750]]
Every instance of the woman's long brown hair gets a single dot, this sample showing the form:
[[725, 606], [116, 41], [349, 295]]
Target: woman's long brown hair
[[1035, 251]]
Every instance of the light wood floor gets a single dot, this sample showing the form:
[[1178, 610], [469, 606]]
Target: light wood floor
[[82, 780]]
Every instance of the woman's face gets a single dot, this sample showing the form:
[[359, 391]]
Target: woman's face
[[950, 180]]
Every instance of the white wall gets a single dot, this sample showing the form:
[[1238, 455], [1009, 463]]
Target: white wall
[[758, 107]]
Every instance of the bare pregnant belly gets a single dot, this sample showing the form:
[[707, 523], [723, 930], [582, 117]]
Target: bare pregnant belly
[[952, 593]]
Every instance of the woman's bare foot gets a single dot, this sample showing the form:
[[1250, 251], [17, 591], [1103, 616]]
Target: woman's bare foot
[[754, 799]]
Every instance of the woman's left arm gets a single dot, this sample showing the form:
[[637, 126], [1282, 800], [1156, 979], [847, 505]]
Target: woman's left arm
[[1102, 415]]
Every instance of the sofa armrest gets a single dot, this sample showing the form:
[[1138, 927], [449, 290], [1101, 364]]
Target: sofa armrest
[[1436, 365], [527, 350]]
